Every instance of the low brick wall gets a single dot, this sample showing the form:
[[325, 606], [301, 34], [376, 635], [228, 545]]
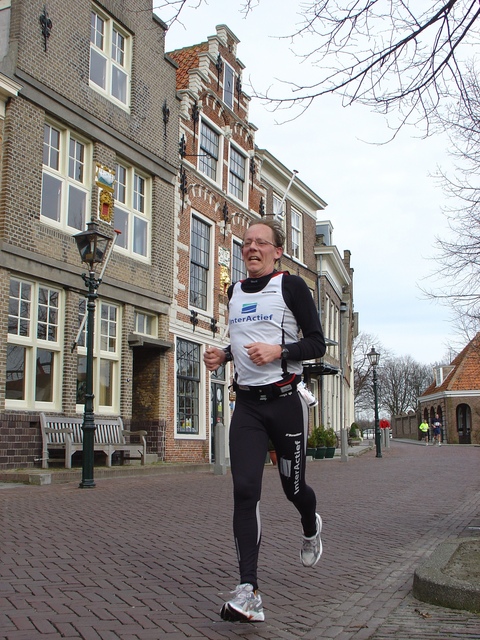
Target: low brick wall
[[20, 440], [406, 426]]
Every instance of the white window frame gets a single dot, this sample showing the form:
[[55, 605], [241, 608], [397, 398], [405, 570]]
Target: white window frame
[[276, 202], [133, 211], [107, 345], [117, 60], [28, 324], [235, 271], [207, 265], [296, 234], [228, 92], [146, 324], [200, 381], [237, 183], [67, 171], [210, 164], [327, 324]]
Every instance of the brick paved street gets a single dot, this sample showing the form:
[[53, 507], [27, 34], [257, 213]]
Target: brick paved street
[[149, 557]]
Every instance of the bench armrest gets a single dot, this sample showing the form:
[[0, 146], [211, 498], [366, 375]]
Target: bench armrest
[[134, 433]]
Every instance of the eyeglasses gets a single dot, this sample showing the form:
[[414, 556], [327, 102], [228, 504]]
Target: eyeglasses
[[258, 241]]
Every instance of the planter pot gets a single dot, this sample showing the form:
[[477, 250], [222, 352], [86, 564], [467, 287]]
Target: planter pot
[[311, 452], [320, 453], [330, 452]]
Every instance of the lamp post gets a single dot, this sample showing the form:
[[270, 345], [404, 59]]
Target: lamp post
[[374, 357], [92, 245]]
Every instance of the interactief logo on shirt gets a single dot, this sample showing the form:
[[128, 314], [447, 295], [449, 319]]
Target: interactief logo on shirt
[[249, 314], [249, 307]]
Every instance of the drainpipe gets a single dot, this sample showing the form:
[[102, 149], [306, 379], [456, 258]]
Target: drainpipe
[[319, 304]]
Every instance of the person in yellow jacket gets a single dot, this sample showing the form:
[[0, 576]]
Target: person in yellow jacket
[[424, 428]]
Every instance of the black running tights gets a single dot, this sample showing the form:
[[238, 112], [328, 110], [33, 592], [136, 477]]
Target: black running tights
[[285, 421]]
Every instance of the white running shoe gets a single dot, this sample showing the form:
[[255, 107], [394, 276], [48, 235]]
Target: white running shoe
[[245, 606], [312, 547]]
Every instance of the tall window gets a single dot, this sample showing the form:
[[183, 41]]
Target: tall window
[[65, 183], [199, 263], [327, 322], [209, 151], [228, 85], [278, 210], [132, 211], [34, 345], [238, 266], [106, 358], [296, 235], [188, 387], [110, 58], [236, 174]]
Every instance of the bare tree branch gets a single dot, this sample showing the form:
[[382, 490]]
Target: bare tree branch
[[379, 53], [457, 273], [180, 6]]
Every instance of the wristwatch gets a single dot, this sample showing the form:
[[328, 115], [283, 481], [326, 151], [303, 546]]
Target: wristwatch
[[285, 353], [228, 354]]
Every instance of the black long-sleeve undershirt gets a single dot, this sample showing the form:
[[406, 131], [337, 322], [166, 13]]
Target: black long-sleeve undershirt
[[299, 300]]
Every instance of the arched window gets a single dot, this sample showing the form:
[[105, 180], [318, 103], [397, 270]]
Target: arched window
[[464, 423]]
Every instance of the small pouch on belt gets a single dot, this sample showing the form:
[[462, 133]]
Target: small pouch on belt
[[286, 385]]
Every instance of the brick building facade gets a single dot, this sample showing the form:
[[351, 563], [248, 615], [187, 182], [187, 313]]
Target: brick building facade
[[340, 325], [97, 96], [226, 182], [95, 93], [219, 192], [454, 396]]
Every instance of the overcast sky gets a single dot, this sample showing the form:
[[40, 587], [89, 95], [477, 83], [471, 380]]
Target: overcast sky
[[382, 201]]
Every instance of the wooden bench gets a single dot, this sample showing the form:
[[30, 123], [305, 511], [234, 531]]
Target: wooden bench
[[66, 434]]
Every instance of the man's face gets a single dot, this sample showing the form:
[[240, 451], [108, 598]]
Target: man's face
[[259, 251]]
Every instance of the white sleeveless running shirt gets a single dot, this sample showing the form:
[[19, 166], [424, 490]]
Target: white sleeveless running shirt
[[259, 317]]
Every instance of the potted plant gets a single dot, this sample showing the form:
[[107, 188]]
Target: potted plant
[[319, 438], [330, 442], [311, 445]]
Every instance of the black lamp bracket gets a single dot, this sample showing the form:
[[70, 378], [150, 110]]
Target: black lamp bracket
[[46, 24]]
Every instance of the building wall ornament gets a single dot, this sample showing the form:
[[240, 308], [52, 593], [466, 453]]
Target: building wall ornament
[[224, 277]]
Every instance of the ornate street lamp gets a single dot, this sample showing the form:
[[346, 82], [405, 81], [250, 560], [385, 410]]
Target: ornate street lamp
[[374, 358], [92, 245]]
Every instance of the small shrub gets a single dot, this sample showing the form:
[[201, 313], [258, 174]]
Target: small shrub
[[354, 430], [330, 438], [318, 437]]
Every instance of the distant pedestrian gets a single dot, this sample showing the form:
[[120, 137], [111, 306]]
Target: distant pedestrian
[[424, 429], [437, 430]]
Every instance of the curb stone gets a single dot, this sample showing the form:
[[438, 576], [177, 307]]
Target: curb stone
[[449, 577]]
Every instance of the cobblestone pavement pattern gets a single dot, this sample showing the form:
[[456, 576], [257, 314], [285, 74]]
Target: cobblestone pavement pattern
[[152, 556]]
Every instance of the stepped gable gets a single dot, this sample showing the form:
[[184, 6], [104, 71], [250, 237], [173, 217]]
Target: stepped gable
[[187, 58]]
